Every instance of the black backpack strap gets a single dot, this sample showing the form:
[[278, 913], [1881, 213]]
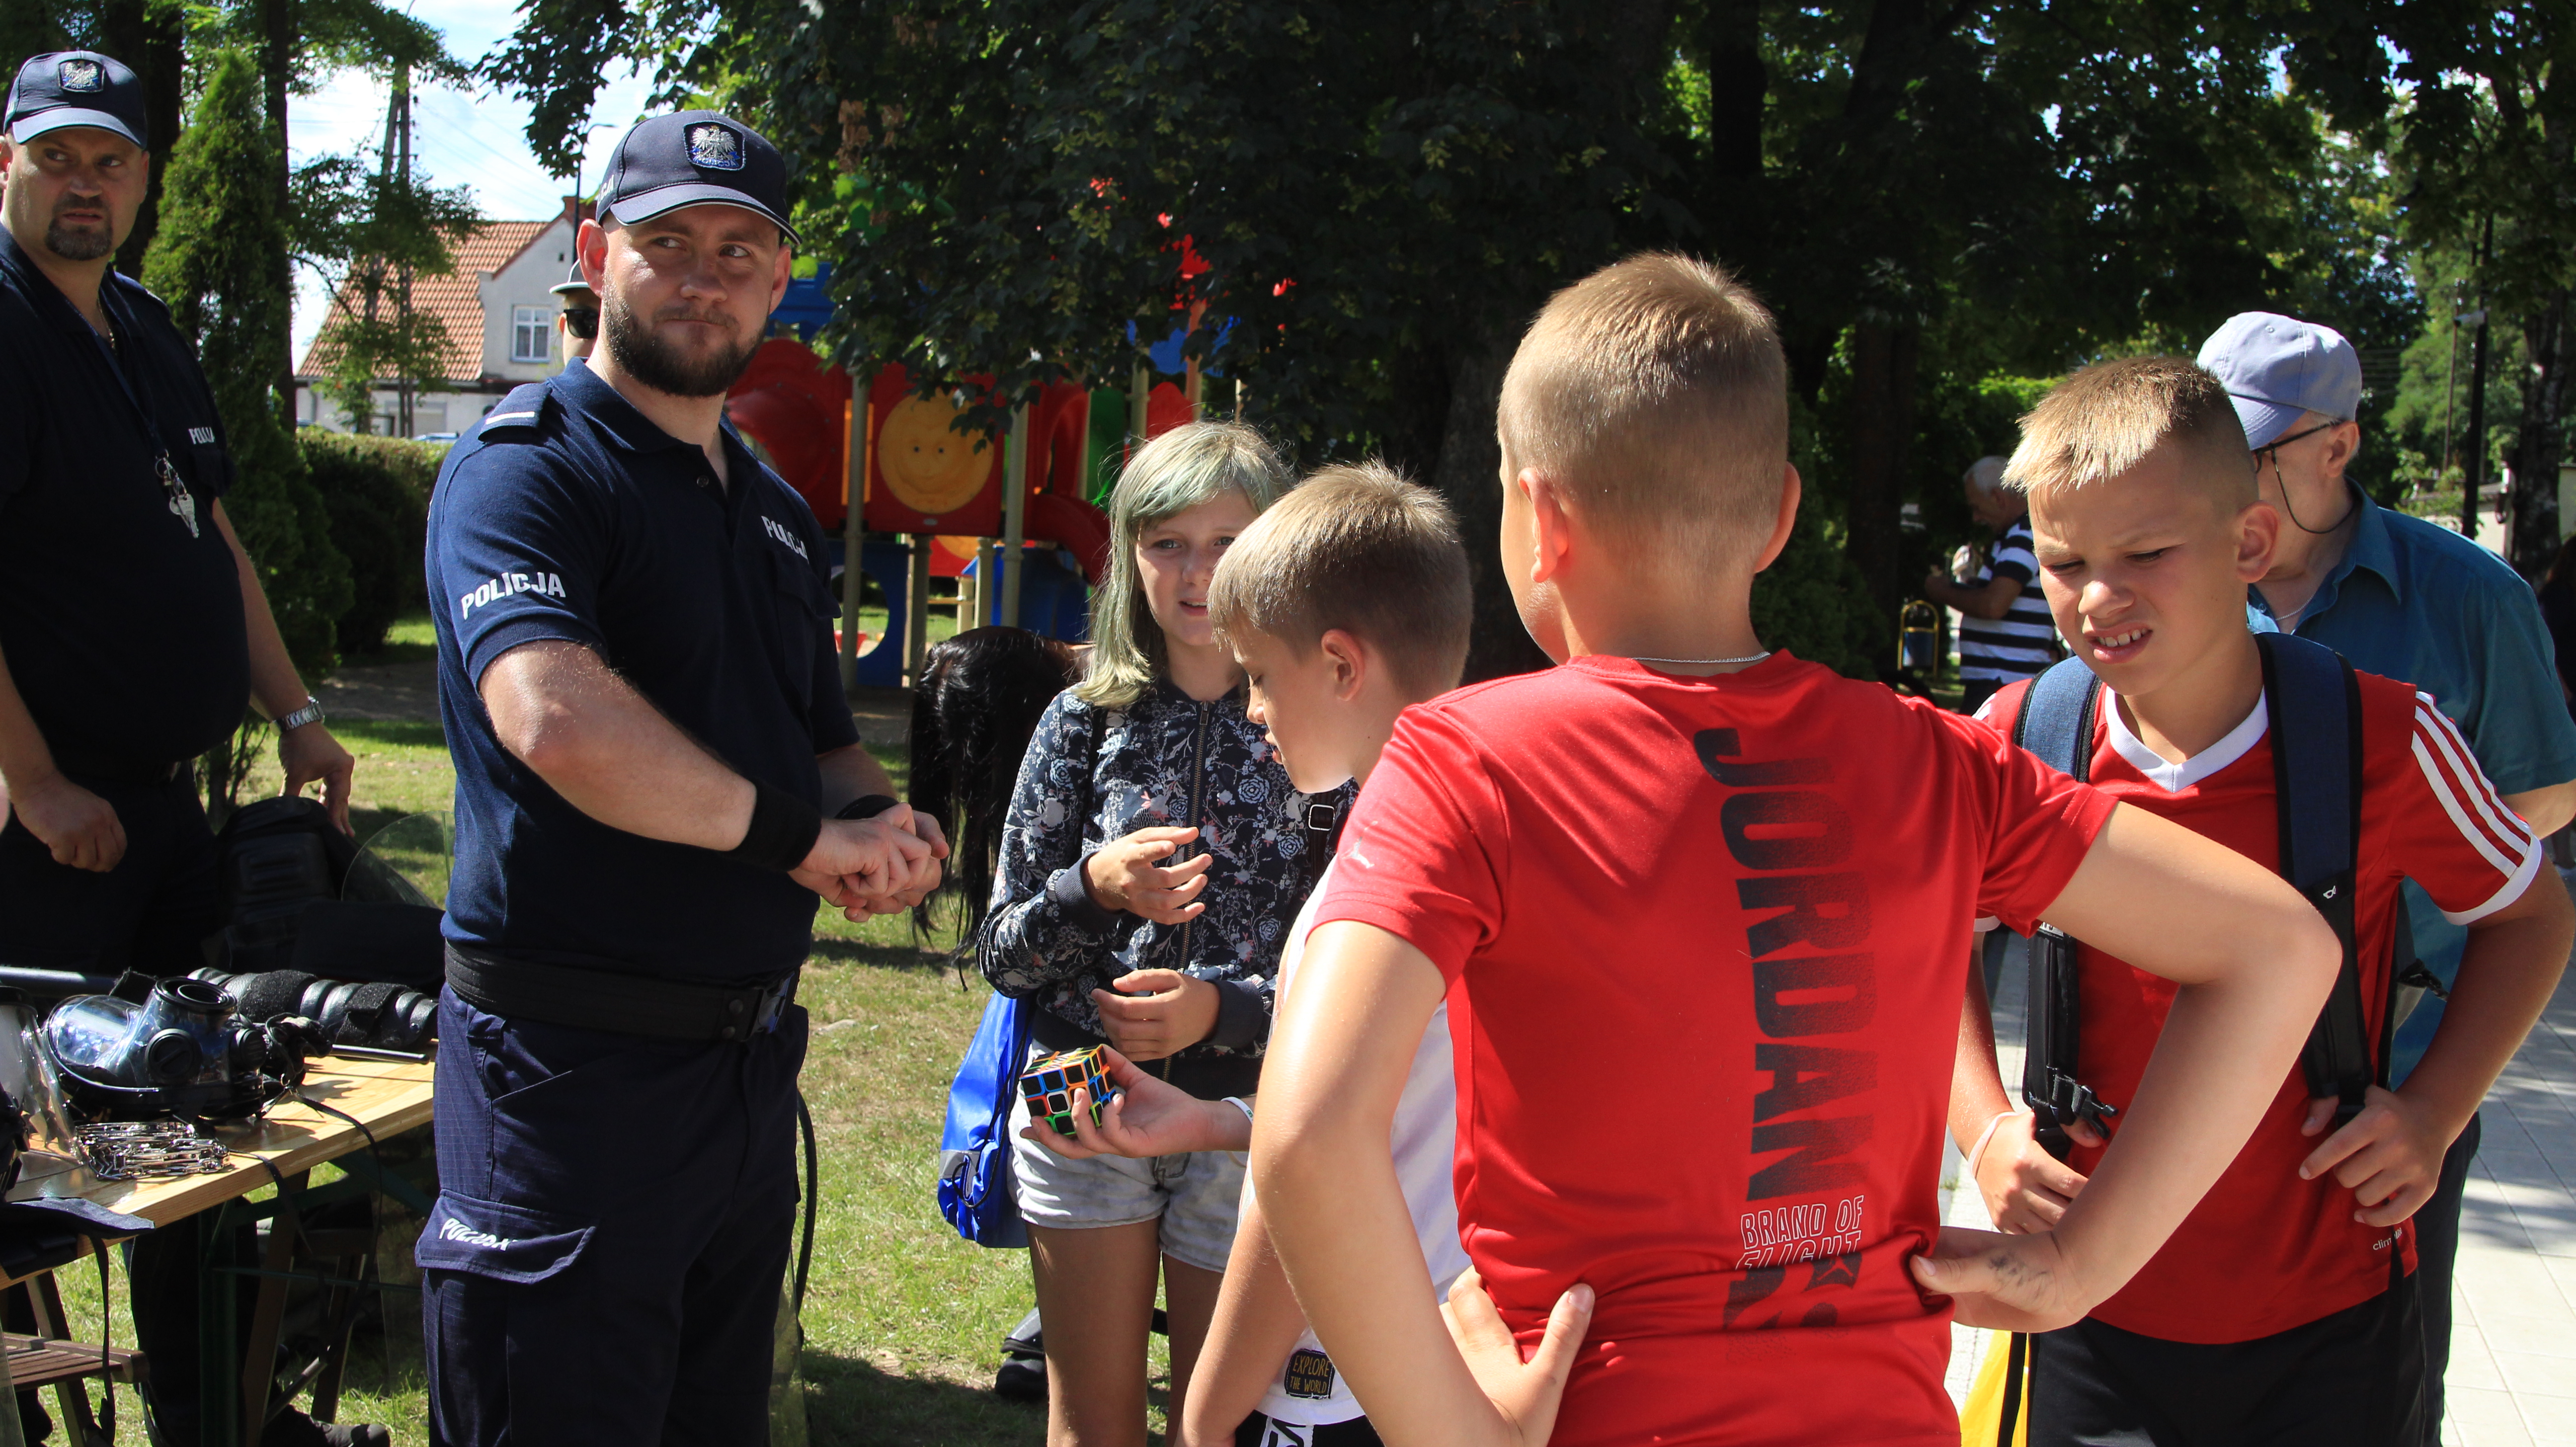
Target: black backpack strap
[[2315, 703], [2055, 723]]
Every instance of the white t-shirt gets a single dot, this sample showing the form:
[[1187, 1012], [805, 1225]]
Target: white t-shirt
[[1309, 1391]]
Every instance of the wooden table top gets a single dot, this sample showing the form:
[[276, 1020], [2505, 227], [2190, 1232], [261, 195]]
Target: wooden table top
[[390, 1096]]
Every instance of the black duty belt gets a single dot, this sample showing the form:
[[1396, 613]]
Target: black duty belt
[[619, 1004], [126, 775]]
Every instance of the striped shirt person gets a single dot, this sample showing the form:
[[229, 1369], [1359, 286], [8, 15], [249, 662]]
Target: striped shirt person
[[2004, 632]]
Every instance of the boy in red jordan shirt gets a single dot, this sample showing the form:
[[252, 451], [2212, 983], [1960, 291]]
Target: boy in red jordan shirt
[[1696, 911], [2283, 1308]]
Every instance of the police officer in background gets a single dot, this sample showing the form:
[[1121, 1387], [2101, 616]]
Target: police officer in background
[[133, 631], [579, 319], [656, 774]]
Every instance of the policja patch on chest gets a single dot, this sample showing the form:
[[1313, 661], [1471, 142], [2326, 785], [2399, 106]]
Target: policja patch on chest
[[1309, 1374]]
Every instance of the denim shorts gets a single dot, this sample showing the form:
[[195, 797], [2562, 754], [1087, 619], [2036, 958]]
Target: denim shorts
[[1195, 1196]]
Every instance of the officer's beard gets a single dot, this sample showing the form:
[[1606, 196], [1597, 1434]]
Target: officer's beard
[[77, 243], [659, 365]]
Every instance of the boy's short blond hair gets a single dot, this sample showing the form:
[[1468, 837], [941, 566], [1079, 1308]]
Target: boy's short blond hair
[[1656, 392], [2105, 419], [1360, 549]]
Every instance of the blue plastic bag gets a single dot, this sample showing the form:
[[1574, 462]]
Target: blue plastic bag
[[975, 1145]]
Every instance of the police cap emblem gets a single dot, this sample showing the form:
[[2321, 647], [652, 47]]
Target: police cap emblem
[[715, 147], [82, 75]]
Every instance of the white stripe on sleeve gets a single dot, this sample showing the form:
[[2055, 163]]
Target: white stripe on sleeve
[[2510, 830], [2512, 891]]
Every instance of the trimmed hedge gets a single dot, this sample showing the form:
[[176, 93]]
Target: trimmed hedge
[[377, 490]]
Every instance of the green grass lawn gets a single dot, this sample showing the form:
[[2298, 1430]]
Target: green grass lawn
[[902, 1319]]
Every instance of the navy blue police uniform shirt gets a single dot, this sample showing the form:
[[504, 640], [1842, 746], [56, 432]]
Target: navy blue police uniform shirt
[[123, 631], [569, 516]]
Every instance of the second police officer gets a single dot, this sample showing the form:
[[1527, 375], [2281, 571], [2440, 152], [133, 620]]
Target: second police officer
[[656, 774]]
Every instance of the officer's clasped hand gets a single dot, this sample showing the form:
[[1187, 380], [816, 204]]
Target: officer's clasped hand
[[881, 865]]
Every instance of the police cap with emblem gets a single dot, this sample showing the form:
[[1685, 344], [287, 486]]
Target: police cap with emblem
[[694, 158], [66, 88]]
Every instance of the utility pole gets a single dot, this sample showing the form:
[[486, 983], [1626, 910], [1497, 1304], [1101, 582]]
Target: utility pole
[[2450, 387], [402, 298], [2476, 473]]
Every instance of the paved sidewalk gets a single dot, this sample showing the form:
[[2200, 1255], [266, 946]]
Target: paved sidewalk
[[2513, 1342]]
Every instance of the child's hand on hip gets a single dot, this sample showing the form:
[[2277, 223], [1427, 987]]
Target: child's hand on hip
[[2009, 1283], [1525, 1393]]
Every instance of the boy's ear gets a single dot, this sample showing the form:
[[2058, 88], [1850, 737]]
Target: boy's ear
[[2258, 534], [1786, 524], [1349, 660], [1552, 524]]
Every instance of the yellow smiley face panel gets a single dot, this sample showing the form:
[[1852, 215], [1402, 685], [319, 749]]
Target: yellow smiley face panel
[[929, 466]]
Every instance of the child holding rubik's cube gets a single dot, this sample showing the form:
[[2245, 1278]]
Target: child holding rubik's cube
[[1049, 1083]]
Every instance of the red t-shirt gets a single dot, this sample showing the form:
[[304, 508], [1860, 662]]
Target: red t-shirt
[[2265, 1251], [1706, 942]]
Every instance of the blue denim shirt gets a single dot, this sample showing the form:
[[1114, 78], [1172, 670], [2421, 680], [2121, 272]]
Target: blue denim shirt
[[2418, 602]]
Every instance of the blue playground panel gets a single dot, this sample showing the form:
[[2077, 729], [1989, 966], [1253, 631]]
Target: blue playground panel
[[1054, 602]]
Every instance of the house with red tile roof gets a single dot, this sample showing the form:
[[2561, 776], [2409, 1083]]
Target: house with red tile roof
[[498, 307]]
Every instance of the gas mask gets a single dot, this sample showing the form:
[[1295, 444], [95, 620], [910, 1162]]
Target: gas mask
[[183, 1051]]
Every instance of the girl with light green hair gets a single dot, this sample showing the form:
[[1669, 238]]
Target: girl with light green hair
[[1169, 476], [1154, 856]]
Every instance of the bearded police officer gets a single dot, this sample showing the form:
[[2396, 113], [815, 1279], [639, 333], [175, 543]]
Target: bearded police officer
[[656, 775]]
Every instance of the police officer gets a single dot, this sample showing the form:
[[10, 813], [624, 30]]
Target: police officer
[[133, 631], [656, 775], [579, 319], [132, 626]]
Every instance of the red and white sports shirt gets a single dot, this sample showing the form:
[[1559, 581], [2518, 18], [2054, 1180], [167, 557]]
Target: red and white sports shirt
[[2265, 1251]]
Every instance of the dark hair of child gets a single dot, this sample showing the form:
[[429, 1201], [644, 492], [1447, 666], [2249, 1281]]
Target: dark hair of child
[[980, 697]]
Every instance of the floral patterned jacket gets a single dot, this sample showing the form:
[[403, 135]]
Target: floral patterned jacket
[[1095, 775]]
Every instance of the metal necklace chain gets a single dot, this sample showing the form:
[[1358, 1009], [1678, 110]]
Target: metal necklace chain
[[1703, 662]]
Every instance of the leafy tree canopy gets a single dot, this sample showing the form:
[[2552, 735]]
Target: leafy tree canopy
[[1931, 195]]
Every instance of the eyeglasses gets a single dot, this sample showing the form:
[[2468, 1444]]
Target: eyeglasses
[[2277, 443], [2272, 450]]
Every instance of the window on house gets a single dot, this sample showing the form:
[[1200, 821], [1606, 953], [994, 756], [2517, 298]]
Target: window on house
[[531, 334]]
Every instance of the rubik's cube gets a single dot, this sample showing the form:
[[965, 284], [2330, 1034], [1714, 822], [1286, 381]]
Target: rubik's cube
[[1048, 1087]]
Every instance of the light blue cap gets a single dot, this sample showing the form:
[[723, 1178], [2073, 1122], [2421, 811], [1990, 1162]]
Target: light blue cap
[[2278, 369]]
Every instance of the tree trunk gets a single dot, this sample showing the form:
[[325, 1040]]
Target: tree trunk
[[148, 38], [2537, 450], [1468, 474], [277, 63], [1884, 356]]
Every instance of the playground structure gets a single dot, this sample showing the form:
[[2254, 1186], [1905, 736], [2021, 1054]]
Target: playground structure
[[931, 501]]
